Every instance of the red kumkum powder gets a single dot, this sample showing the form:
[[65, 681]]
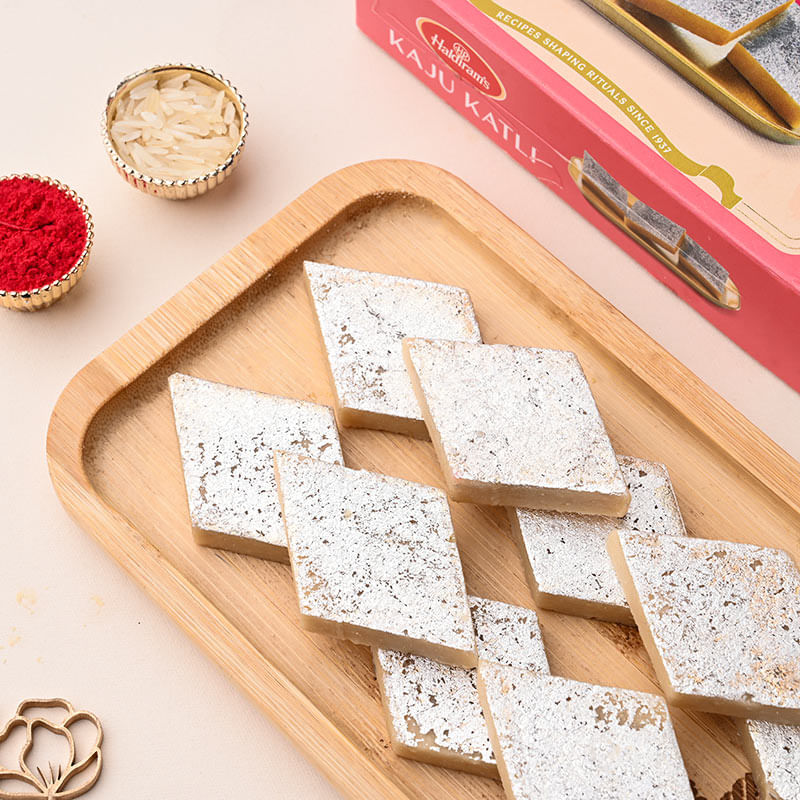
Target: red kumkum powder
[[42, 234]]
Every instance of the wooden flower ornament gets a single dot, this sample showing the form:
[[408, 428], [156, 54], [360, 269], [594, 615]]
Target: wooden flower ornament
[[49, 750]]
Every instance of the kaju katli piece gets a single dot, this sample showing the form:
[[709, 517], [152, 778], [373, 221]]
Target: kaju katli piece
[[363, 318], [769, 58], [697, 261], [717, 21], [433, 711], [605, 188], [375, 560], [516, 426], [227, 437], [773, 752], [720, 621], [653, 226], [560, 739], [566, 561]]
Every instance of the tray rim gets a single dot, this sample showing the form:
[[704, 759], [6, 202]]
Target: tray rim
[[144, 345]]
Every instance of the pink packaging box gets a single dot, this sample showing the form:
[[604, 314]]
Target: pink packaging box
[[550, 81]]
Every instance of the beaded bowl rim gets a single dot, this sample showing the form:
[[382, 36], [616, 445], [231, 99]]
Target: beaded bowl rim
[[172, 182], [82, 258]]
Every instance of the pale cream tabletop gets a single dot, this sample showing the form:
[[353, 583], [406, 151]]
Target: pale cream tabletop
[[320, 96]]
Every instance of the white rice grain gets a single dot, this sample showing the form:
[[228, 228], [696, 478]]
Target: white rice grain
[[175, 128]]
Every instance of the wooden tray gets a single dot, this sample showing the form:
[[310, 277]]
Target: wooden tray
[[701, 63], [113, 458]]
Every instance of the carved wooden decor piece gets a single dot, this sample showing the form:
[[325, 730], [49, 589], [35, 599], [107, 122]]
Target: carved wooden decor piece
[[43, 754]]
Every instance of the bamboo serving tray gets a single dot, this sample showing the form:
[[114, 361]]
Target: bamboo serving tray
[[113, 458]]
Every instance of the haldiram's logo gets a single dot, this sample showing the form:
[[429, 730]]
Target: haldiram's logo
[[462, 58], [461, 53]]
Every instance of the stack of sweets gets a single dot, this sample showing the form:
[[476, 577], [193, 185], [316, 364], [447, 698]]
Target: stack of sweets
[[465, 680], [664, 237], [767, 36]]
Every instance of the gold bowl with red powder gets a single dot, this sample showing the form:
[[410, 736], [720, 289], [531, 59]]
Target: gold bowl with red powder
[[42, 291]]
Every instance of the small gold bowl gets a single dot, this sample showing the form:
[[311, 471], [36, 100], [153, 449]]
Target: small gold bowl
[[39, 297], [164, 187]]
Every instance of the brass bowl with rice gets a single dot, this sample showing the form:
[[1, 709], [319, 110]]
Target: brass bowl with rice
[[175, 131]]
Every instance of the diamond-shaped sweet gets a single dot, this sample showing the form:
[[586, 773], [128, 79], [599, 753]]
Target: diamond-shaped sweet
[[559, 739], [433, 710], [363, 318], [774, 755], [717, 21], [567, 564], [720, 621], [769, 58], [227, 438], [375, 559], [516, 426]]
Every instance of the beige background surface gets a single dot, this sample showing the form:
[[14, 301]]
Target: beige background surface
[[320, 96]]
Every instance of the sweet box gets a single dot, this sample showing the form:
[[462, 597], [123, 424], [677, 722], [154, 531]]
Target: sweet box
[[673, 122]]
